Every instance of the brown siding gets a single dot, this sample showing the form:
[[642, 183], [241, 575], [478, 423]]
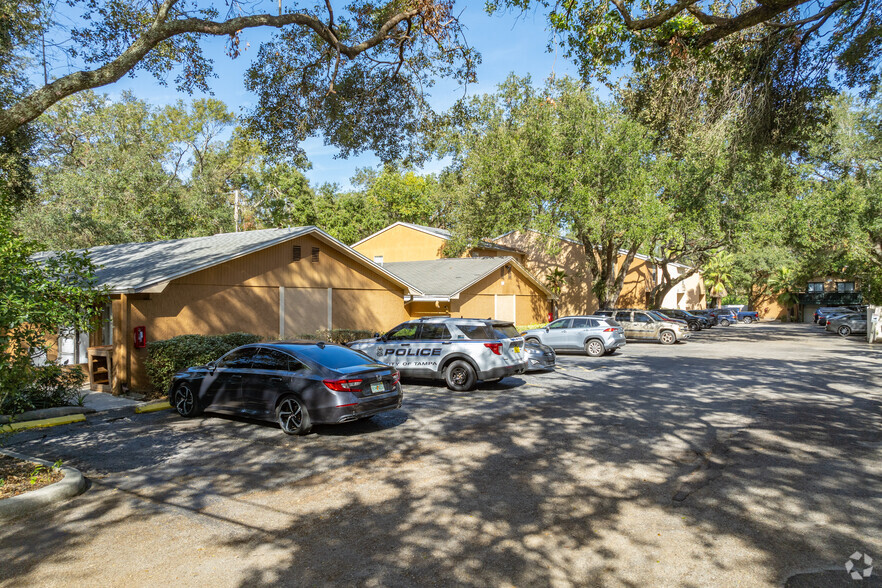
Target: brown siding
[[478, 301], [402, 243], [243, 295]]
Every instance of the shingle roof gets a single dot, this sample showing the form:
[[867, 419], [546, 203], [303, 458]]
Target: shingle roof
[[136, 267], [448, 277]]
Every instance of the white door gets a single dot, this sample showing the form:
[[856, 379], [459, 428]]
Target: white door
[[505, 307]]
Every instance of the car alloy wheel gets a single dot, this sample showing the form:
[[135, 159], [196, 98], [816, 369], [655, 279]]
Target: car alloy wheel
[[292, 416], [460, 376], [185, 401], [725, 322], [667, 337], [844, 331], [594, 348], [748, 320]]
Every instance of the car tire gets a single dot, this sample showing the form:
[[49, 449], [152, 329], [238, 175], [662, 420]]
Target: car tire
[[844, 331], [667, 337], [747, 320], [186, 401], [611, 352], [292, 416], [594, 348], [725, 322], [460, 376]]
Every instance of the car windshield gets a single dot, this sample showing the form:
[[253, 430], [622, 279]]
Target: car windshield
[[333, 356]]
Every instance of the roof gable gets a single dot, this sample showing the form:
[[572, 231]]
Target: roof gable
[[148, 267], [448, 277]]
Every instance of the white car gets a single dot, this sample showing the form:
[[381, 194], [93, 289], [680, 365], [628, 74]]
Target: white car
[[460, 351]]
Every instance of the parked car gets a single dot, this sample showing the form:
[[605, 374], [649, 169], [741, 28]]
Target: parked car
[[820, 315], [540, 358], [460, 351], [707, 315], [597, 335], [724, 317], [846, 324], [294, 383], [695, 323], [643, 325], [747, 316], [829, 315]]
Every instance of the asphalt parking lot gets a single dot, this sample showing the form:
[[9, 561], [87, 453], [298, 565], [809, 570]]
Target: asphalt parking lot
[[748, 456]]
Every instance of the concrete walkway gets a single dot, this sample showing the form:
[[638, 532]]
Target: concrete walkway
[[101, 401]]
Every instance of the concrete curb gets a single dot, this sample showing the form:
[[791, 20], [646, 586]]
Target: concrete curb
[[72, 484], [152, 406], [38, 424], [46, 413]]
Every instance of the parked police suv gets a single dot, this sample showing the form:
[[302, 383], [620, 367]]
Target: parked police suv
[[460, 351]]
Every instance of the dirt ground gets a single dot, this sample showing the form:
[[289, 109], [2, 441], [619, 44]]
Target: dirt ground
[[18, 477]]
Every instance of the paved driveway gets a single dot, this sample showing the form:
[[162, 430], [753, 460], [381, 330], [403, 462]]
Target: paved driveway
[[747, 456]]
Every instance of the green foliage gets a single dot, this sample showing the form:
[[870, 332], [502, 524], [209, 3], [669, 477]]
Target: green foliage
[[167, 357], [718, 274], [559, 160], [339, 336], [50, 385], [116, 172], [37, 297]]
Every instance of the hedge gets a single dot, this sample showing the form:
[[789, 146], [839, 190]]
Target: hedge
[[339, 336], [168, 357]]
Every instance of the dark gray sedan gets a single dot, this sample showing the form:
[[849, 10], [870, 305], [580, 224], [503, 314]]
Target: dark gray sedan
[[846, 324], [294, 383]]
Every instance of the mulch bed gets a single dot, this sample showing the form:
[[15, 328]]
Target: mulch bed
[[18, 477]]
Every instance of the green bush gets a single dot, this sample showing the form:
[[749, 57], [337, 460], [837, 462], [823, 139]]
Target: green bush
[[339, 336], [168, 357], [50, 386]]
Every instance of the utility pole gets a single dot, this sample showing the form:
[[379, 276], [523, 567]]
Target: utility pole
[[236, 208]]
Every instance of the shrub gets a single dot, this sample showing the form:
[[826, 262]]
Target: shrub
[[168, 357], [50, 386], [339, 336], [522, 328]]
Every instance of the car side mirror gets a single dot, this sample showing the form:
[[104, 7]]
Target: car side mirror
[[547, 329], [211, 365]]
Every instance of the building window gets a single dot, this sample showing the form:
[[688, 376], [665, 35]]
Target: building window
[[297, 254], [815, 287], [315, 254], [845, 286]]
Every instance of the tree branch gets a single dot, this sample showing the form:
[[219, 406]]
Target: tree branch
[[37, 102]]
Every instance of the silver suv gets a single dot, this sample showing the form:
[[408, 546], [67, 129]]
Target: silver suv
[[644, 325], [597, 335], [460, 351]]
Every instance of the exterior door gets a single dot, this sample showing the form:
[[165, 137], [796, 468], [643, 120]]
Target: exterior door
[[306, 311], [505, 307]]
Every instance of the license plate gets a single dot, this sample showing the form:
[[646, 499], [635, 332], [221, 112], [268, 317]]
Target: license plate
[[379, 387], [517, 349]]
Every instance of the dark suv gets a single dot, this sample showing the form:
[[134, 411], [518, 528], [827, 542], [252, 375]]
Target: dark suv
[[695, 323]]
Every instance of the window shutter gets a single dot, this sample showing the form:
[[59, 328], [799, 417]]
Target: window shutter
[[297, 253], [315, 254]]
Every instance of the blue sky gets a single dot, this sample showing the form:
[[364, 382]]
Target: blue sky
[[510, 42]]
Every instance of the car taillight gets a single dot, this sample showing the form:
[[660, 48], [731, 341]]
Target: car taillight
[[342, 385], [396, 378], [496, 348], [609, 330]]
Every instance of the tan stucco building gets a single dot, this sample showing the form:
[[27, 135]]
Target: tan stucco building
[[576, 296], [277, 283], [409, 242]]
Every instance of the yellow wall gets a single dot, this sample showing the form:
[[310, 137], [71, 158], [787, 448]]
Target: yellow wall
[[575, 296], [401, 243], [243, 295]]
